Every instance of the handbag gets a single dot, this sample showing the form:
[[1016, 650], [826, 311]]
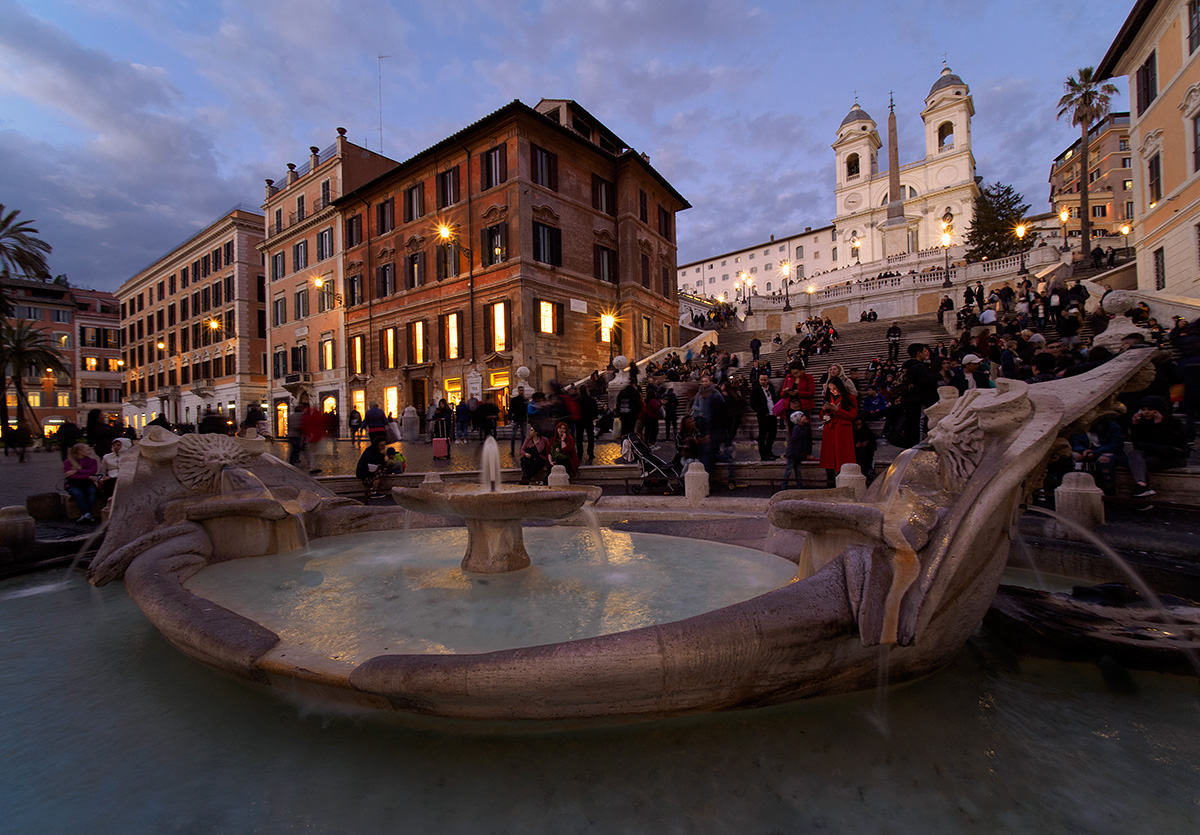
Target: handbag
[[780, 407]]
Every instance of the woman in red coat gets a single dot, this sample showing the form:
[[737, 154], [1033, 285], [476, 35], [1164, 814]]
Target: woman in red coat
[[800, 389], [837, 440]]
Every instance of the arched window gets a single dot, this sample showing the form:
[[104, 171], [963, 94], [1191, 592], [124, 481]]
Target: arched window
[[946, 135], [852, 166]]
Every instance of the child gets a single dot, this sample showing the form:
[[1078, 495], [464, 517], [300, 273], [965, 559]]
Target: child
[[799, 447]]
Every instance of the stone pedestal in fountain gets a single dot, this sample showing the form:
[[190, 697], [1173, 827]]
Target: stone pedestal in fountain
[[493, 517], [1079, 500], [695, 483], [851, 476]]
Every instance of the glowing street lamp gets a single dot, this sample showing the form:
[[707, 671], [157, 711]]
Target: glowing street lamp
[[325, 288], [946, 248], [747, 283], [1125, 231], [1064, 216], [786, 269], [1021, 229], [856, 242], [810, 290], [607, 323]]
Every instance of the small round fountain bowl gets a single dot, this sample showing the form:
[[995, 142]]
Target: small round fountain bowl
[[493, 518]]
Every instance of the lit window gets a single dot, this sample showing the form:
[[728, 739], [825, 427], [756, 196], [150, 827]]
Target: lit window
[[418, 342], [453, 390], [91, 363], [452, 345], [391, 400], [546, 317]]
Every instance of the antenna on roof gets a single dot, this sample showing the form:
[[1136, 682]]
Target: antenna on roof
[[381, 57]]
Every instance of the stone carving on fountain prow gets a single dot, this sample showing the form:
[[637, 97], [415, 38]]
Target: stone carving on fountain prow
[[207, 498], [931, 537]]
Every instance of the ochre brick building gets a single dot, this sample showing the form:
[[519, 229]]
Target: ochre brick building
[[550, 223]]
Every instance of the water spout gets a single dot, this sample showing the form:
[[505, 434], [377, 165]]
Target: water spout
[[489, 466]]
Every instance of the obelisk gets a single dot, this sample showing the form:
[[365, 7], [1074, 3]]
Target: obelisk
[[895, 228]]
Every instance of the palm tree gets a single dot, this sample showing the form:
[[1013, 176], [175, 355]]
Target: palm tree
[[21, 251], [24, 348], [1085, 101]]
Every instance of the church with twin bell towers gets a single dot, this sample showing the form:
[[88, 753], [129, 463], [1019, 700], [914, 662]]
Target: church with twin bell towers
[[902, 210]]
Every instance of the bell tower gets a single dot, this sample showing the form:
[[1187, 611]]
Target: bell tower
[[856, 157]]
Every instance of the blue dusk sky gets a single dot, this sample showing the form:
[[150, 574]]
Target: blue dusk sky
[[127, 125]]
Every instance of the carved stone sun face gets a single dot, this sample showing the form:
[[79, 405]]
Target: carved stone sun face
[[201, 458]]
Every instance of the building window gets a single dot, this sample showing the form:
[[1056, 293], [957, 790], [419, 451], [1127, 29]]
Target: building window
[[1094, 176], [1100, 211], [453, 387], [643, 207], [664, 223], [835, 253], [550, 317], [1127, 185], [300, 213], [497, 328], [354, 290], [604, 263], [416, 342], [91, 363], [299, 359], [852, 168], [799, 252], [354, 230], [229, 288], [446, 258], [205, 266], [414, 270], [325, 244], [1129, 210], [604, 195], [1154, 179], [1160, 269], [666, 282], [300, 256], [544, 167], [645, 259], [278, 268], [1123, 145], [387, 348], [385, 280], [447, 188], [279, 363], [327, 358], [1147, 83], [385, 216], [666, 335], [216, 262], [280, 317], [414, 202], [1193, 25], [277, 227], [451, 337], [494, 249], [357, 355], [645, 330], [547, 244], [326, 194], [216, 297], [494, 167], [301, 305]]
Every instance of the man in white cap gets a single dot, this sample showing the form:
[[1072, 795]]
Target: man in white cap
[[972, 375]]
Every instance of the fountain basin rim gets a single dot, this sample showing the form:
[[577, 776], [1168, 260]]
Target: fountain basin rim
[[471, 501]]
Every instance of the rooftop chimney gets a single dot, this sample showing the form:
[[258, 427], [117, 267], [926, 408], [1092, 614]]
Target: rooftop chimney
[[270, 188], [292, 176], [314, 157]]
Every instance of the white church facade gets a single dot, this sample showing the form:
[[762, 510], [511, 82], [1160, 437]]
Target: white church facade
[[939, 187]]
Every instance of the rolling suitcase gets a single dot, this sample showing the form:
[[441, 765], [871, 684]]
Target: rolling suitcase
[[441, 443], [441, 448]]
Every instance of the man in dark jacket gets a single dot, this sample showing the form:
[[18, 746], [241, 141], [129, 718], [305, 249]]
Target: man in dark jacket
[[1159, 443], [762, 401], [518, 416], [893, 339], [921, 393]]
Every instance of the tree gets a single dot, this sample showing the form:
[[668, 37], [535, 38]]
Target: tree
[[1085, 102], [993, 232], [21, 251], [24, 348]]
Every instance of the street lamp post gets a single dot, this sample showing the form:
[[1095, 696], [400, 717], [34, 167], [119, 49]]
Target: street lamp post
[[810, 290], [447, 234], [856, 242], [1064, 216], [946, 249], [747, 281], [786, 269], [607, 322], [1021, 244], [1125, 231], [947, 232]]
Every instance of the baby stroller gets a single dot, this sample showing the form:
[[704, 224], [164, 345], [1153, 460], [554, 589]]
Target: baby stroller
[[658, 476]]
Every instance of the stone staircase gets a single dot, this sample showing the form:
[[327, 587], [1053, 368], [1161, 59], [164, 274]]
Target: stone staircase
[[857, 344]]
